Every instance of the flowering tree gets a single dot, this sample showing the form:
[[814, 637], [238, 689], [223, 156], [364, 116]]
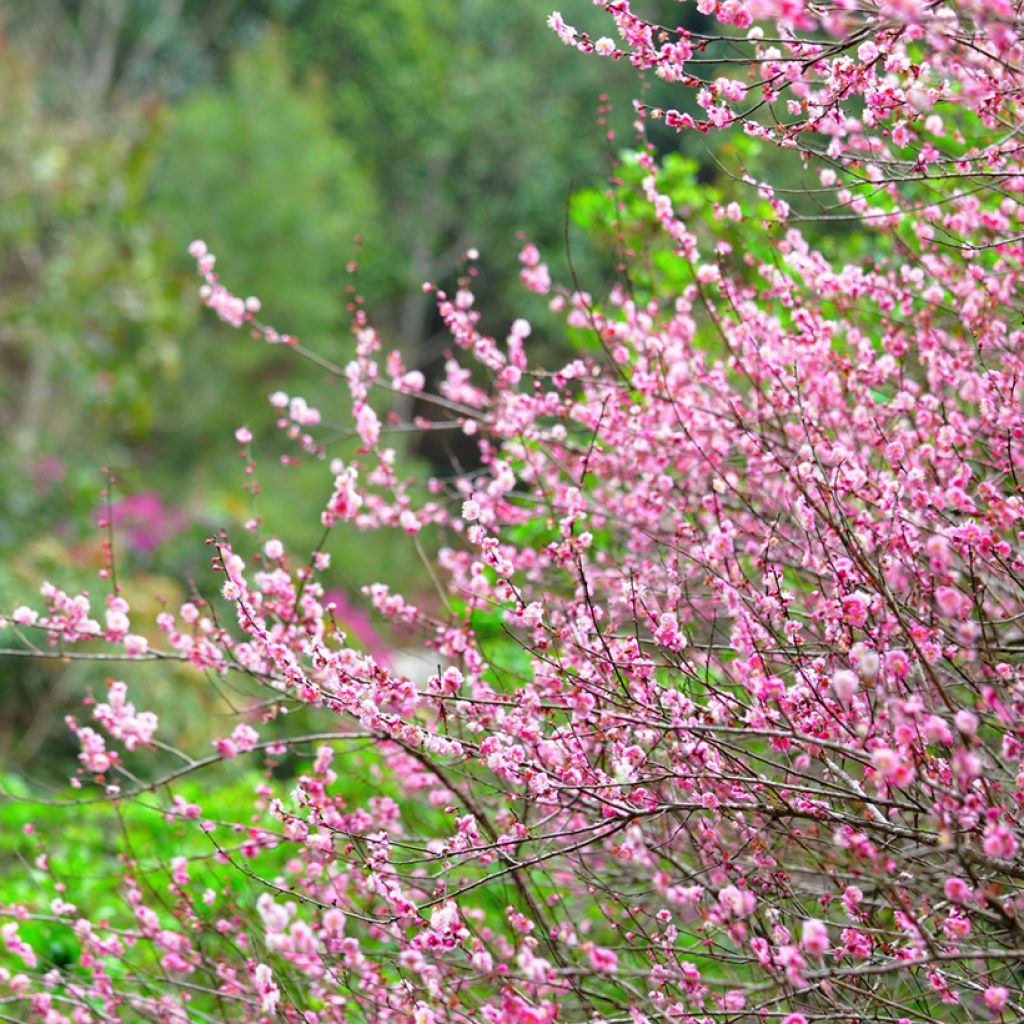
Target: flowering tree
[[727, 722]]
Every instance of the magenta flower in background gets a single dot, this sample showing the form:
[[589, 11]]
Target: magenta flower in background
[[354, 621], [47, 471], [144, 522]]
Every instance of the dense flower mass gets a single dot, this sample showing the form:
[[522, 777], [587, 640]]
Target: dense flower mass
[[744, 737]]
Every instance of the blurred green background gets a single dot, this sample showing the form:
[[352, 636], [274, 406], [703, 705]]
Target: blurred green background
[[276, 130]]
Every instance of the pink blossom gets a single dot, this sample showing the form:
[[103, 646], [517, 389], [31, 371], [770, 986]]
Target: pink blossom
[[950, 602], [999, 841], [736, 903], [966, 722], [996, 997], [957, 890], [24, 616], [845, 684], [814, 938], [604, 961]]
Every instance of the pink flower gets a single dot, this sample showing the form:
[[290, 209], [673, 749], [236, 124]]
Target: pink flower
[[564, 32], [266, 988], [225, 747], [135, 645], [996, 997], [951, 602], [245, 737], [604, 961], [845, 684], [736, 903], [814, 938], [957, 890], [895, 768], [866, 661], [24, 616], [966, 722], [855, 608], [367, 425], [409, 521], [423, 1014], [999, 841]]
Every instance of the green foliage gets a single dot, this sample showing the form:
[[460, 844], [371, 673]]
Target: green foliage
[[86, 846], [473, 131], [91, 320], [257, 171], [86, 294]]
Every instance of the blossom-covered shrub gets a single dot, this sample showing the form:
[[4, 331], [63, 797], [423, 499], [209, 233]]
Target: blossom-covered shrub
[[727, 719]]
